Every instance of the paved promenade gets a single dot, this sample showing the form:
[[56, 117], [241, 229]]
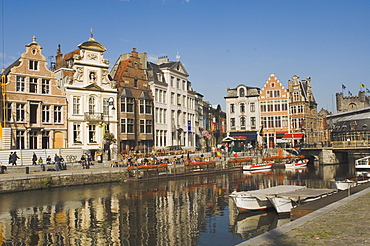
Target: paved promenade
[[345, 222]]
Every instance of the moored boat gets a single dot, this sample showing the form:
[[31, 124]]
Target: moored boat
[[297, 163], [256, 200], [259, 166], [344, 184], [284, 202]]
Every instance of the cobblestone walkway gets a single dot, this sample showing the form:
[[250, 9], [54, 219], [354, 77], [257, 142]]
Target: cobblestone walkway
[[347, 224]]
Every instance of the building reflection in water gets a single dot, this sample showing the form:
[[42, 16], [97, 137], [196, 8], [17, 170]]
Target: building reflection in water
[[173, 212]]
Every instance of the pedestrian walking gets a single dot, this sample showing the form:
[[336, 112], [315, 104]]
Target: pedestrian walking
[[14, 158], [11, 158], [34, 159]]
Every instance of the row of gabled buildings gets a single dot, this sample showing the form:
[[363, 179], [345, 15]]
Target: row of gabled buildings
[[274, 115], [78, 102]]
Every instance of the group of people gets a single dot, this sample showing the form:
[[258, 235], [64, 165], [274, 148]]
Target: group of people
[[86, 160], [13, 157]]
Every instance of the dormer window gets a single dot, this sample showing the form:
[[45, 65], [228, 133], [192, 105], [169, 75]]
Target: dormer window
[[241, 92], [159, 76]]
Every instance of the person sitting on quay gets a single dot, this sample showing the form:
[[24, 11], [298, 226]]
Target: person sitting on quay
[[48, 160], [62, 165], [41, 163]]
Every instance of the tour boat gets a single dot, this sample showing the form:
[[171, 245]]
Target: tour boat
[[260, 166], [297, 163], [256, 200], [284, 202]]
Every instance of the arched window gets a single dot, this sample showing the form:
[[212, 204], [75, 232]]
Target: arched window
[[242, 121], [241, 92]]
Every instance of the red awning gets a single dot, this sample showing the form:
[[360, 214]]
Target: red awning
[[293, 136]]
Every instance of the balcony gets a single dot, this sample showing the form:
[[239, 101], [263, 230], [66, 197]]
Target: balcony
[[93, 116]]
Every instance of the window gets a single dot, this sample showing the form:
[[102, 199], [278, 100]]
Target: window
[[183, 85], [45, 139], [92, 133], [142, 126], [8, 111], [45, 113], [148, 126], [32, 65], [253, 122], [57, 114], [135, 83], [232, 122], [172, 79], [20, 112], [295, 96], [270, 107], [232, 108], [269, 94], [130, 125], [178, 84], [172, 98], [277, 121], [263, 107], [105, 106], [242, 107], [270, 122], [19, 140], [159, 76], [123, 104], [253, 107], [45, 86], [142, 106], [148, 107], [76, 105], [264, 122], [284, 121], [20, 83], [130, 105], [178, 99], [123, 125], [33, 139], [293, 110], [300, 109], [33, 85], [76, 133], [284, 106], [241, 92], [242, 121], [92, 105], [276, 93], [277, 106]]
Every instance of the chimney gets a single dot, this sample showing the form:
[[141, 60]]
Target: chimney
[[162, 59]]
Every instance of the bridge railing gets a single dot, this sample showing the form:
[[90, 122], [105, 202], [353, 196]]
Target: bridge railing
[[357, 144]]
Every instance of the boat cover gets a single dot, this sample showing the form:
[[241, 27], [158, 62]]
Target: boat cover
[[272, 191], [305, 193]]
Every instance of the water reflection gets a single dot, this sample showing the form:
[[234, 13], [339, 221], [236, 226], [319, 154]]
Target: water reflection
[[192, 211]]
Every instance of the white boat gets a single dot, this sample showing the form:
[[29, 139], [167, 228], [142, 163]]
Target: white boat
[[344, 184], [257, 199], [297, 163], [362, 166], [284, 202], [260, 166]]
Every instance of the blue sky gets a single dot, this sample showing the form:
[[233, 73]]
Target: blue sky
[[222, 43]]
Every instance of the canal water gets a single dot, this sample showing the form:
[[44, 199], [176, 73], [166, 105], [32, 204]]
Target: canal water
[[185, 211]]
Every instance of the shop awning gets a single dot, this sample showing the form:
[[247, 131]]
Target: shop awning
[[293, 136]]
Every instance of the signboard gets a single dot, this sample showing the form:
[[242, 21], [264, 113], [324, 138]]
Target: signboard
[[189, 126]]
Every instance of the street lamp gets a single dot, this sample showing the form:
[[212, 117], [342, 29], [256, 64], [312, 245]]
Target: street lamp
[[110, 103], [107, 129]]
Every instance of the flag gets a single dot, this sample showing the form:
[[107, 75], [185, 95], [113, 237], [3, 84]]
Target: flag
[[343, 87], [296, 151], [218, 154], [235, 154], [261, 132], [349, 93], [367, 90], [362, 85]]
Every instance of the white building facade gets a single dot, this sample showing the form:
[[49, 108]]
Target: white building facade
[[243, 113], [91, 96], [174, 105]]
